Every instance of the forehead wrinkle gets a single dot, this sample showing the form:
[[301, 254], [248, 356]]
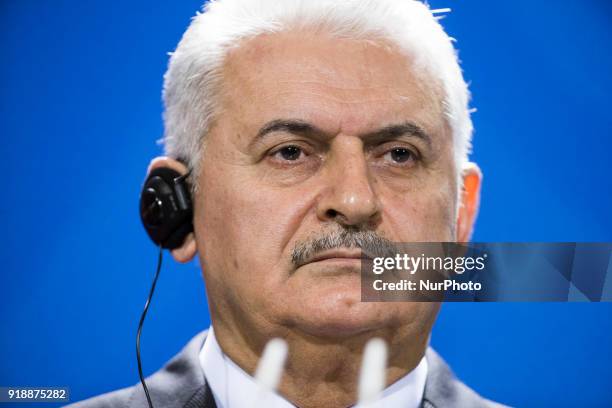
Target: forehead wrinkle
[[332, 86], [344, 95], [336, 99]]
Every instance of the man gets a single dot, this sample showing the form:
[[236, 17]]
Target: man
[[313, 129]]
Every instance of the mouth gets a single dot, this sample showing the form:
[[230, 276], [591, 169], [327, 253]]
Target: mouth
[[339, 256]]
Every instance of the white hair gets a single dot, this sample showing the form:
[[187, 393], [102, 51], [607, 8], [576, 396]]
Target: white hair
[[194, 73]]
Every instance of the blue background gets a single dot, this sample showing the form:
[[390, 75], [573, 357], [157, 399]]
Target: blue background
[[80, 112]]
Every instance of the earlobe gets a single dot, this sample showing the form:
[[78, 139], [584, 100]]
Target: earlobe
[[187, 251], [470, 202]]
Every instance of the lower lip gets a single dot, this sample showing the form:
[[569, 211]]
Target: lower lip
[[334, 266]]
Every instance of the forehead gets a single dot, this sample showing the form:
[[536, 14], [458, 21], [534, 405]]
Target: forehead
[[341, 85]]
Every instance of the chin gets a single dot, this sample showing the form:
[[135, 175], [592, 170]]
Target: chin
[[326, 303], [341, 314]]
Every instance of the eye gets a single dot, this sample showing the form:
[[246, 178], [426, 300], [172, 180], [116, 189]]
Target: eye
[[400, 155], [289, 153]]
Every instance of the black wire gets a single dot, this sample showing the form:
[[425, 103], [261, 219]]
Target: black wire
[[142, 318]]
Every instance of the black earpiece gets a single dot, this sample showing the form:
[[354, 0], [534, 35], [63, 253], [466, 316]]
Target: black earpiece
[[166, 209]]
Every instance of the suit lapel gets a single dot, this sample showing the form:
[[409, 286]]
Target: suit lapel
[[443, 389], [180, 383], [203, 398]]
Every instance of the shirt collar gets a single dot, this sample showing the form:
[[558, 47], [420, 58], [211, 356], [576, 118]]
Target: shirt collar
[[232, 387]]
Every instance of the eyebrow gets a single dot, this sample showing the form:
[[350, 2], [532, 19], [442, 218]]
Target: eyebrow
[[287, 125], [396, 131], [301, 127]]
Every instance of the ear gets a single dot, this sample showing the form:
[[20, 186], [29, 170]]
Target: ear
[[188, 249], [470, 202]]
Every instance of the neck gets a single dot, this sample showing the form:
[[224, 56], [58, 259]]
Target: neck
[[322, 371]]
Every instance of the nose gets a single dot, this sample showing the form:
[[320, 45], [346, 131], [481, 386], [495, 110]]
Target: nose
[[349, 197]]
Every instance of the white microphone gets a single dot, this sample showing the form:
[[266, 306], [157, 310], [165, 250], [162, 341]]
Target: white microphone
[[373, 375], [270, 368]]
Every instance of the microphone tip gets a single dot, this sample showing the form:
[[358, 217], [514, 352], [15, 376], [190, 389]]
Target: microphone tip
[[373, 373], [270, 368]]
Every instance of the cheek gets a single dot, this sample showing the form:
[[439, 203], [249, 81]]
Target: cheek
[[243, 228], [426, 215]]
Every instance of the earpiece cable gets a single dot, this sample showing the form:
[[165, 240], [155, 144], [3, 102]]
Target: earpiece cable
[[142, 318]]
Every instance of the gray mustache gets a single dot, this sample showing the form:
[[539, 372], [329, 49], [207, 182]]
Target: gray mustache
[[371, 244]]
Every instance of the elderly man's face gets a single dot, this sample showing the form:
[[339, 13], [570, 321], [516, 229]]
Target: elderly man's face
[[316, 136]]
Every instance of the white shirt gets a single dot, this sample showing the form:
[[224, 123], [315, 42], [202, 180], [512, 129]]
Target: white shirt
[[232, 387]]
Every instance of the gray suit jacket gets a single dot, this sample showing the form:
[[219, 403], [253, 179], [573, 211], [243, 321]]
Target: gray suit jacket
[[181, 384]]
